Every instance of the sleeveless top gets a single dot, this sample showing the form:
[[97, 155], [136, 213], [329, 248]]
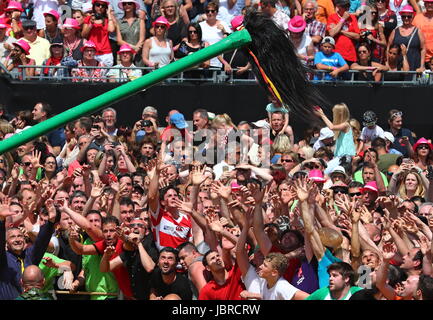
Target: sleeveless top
[[160, 54], [58, 38], [184, 50], [345, 145], [414, 50]]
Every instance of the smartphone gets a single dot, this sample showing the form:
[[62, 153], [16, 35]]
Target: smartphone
[[225, 168]]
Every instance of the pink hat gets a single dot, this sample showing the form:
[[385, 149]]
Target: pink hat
[[88, 44], [102, 1], [407, 9], [53, 13], [23, 45], [235, 186], [120, 4], [237, 22], [316, 176], [297, 24], [126, 48], [161, 20], [422, 141], [71, 23], [339, 184], [3, 24], [14, 5], [370, 186]]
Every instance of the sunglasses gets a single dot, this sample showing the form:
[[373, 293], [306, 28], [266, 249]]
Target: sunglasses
[[29, 28], [160, 26], [397, 114], [381, 1], [192, 31], [406, 16], [362, 51], [128, 3], [169, 7], [136, 225], [210, 11], [97, 4], [27, 163], [340, 190], [353, 194], [287, 160], [312, 166], [424, 146], [2, 161]]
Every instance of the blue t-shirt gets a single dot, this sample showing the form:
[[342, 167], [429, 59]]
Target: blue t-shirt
[[333, 60], [322, 270], [354, 5]]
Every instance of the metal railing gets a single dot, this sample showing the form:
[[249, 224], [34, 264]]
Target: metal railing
[[213, 75]]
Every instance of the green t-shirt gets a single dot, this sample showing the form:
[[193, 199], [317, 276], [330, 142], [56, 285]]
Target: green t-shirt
[[357, 176], [97, 281], [50, 274], [325, 294]]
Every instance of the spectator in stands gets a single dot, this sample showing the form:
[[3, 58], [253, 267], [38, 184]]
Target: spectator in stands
[[39, 47], [78, 14], [327, 59], [410, 183], [325, 8], [213, 30], [343, 27], [315, 29], [96, 29], [131, 28], [370, 131], [423, 22], [72, 40], [192, 43], [365, 62], [268, 7], [385, 159], [423, 154], [387, 17], [396, 61], [51, 32], [412, 38], [109, 115], [178, 29], [57, 51], [5, 41], [18, 56], [403, 138], [89, 60], [125, 71], [13, 13], [301, 39], [372, 33], [158, 50]]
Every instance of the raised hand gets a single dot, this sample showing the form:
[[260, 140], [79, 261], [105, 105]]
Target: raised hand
[[197, 175], [184, 206], [109, 251], [303, 188], [35, 159], [222, 190], [47, 261], [388, 251]]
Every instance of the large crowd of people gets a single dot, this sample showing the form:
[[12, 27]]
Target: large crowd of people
[[330, 37], [196, 207], [206, 209]]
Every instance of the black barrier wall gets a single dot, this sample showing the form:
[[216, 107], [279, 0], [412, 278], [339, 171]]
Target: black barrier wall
[[240, 101]]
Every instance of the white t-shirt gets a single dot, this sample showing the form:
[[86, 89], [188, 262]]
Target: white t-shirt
[[368, 135], [225, 14], [213, 35], [41, 6], [218, 169], [282, 290], [396, 10]]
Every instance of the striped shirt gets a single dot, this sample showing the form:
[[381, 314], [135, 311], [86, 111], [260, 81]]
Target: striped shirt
[[170, 232]]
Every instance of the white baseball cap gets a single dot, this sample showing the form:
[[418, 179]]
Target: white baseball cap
[[389, 136]]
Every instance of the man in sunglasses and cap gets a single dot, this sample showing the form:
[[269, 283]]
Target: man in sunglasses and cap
[[39, 47]]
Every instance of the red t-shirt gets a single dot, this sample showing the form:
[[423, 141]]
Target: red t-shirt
[[294, 264], [231, 289], [344, 45], [99, 35], [121, 273]]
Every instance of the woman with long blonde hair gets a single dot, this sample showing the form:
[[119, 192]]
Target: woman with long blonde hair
[[411, 185], [343, 133]]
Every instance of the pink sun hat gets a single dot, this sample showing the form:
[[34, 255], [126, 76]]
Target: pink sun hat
[[161, 20], [71, 23], [407, 9], [422, 141], [370, 186], [297, 24], [316, 176], [237, 22], [53, 13], [88, 44], [126, 48], [120, 4], [23, 45], [14, 5]]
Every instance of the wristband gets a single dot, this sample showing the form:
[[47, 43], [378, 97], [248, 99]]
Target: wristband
[[342, 20]]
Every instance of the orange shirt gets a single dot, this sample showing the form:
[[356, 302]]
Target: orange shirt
[[426, 26], [324, 9]]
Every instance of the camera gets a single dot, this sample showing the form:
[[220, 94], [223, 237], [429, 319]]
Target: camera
[[365, 34], [429, 173], [146, 123], [99, 16]]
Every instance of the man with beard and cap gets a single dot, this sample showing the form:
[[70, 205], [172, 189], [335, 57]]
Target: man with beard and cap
[[166, 283], [110, 247], [14, 256], [140, 262]]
